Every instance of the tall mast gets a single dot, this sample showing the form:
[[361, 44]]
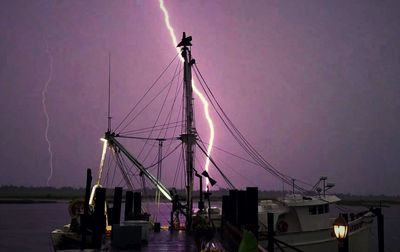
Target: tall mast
[[109, 92], [189, 137]]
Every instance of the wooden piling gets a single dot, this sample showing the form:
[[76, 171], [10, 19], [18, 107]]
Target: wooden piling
[[116, 213], [128, 204], [99, 224], [381, 237], [85, 217], [241, 208], [251, 214], [346, 240], [271, 232], [225, 209], [137, 204], [233, 205]]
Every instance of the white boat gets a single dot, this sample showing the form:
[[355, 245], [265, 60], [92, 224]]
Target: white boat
[[305, 222]]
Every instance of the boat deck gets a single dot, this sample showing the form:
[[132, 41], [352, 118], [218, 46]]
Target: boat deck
[[178, 241], [168, 241]]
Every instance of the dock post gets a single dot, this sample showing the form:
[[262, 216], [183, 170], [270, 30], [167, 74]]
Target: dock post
[[225, 207], [137, 204], [128, 205], [233, 207], [241, 208], [381, 237], [271, 232], [99, 218], [251, 214], [346, 240], [85, 217], [116, 213]]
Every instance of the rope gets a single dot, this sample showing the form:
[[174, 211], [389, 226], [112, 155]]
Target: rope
[[148, 90], [158, 117], [228, 182], [240, 139], [146, 129]]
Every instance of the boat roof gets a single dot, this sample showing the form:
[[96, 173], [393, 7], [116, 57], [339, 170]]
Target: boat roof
[[302, 200]]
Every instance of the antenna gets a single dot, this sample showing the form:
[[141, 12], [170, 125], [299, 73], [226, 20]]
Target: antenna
[[109, 91]]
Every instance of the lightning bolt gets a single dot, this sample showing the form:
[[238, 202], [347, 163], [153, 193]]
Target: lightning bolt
[[46, 114], [196, 91]]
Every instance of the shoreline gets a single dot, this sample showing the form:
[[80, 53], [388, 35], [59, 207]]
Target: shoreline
[[344, 202], [28, 201], [32, 195]]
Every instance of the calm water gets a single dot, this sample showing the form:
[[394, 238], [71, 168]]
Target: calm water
[[26, 227]]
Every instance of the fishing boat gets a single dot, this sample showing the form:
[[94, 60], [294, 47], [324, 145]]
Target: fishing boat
[[82, 231], [300, 220], [305, 222]]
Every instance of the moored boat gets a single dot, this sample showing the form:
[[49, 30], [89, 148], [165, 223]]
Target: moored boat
[[306, 222]]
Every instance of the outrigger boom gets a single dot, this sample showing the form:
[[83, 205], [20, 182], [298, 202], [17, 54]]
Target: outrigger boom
[[110, 137]]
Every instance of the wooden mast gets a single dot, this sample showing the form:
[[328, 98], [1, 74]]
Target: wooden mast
[[189, 137]]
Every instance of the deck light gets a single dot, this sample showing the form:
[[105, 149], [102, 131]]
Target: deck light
[[164, 192], [340, 228]]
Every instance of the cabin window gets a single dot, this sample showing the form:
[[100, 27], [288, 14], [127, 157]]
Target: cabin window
[[326, 206], [320, 209]]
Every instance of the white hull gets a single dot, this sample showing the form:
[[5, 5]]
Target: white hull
[[317, 241], [324, 239], [305, 222]]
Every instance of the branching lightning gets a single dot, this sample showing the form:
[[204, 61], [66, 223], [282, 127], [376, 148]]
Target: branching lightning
[[46, 114], [197, 92]]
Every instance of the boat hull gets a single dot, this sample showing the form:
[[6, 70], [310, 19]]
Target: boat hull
[[324, 239]]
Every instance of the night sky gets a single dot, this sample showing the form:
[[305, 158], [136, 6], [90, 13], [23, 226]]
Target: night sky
[[313, 85]]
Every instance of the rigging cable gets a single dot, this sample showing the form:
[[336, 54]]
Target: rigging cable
[[242, 141], [144, 108], [122, 168], [253, 163], [216, 166], [231, 168], [239, 136], [144, 95], [147, 138], [164, 157], [178, 167], [147, 129], [159, 114]]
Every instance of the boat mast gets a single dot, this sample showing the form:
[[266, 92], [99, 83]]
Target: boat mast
[[109, 92], [189, 136]]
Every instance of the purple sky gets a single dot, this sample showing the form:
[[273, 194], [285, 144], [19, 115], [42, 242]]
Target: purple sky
[[313, 85]]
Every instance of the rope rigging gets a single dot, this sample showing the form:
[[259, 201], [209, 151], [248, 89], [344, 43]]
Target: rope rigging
[[237, 156], [148, 138], [144, 95], [228, 182], [238, 136], [146, 106], [159, 114], [156, 127], [160, 129]]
